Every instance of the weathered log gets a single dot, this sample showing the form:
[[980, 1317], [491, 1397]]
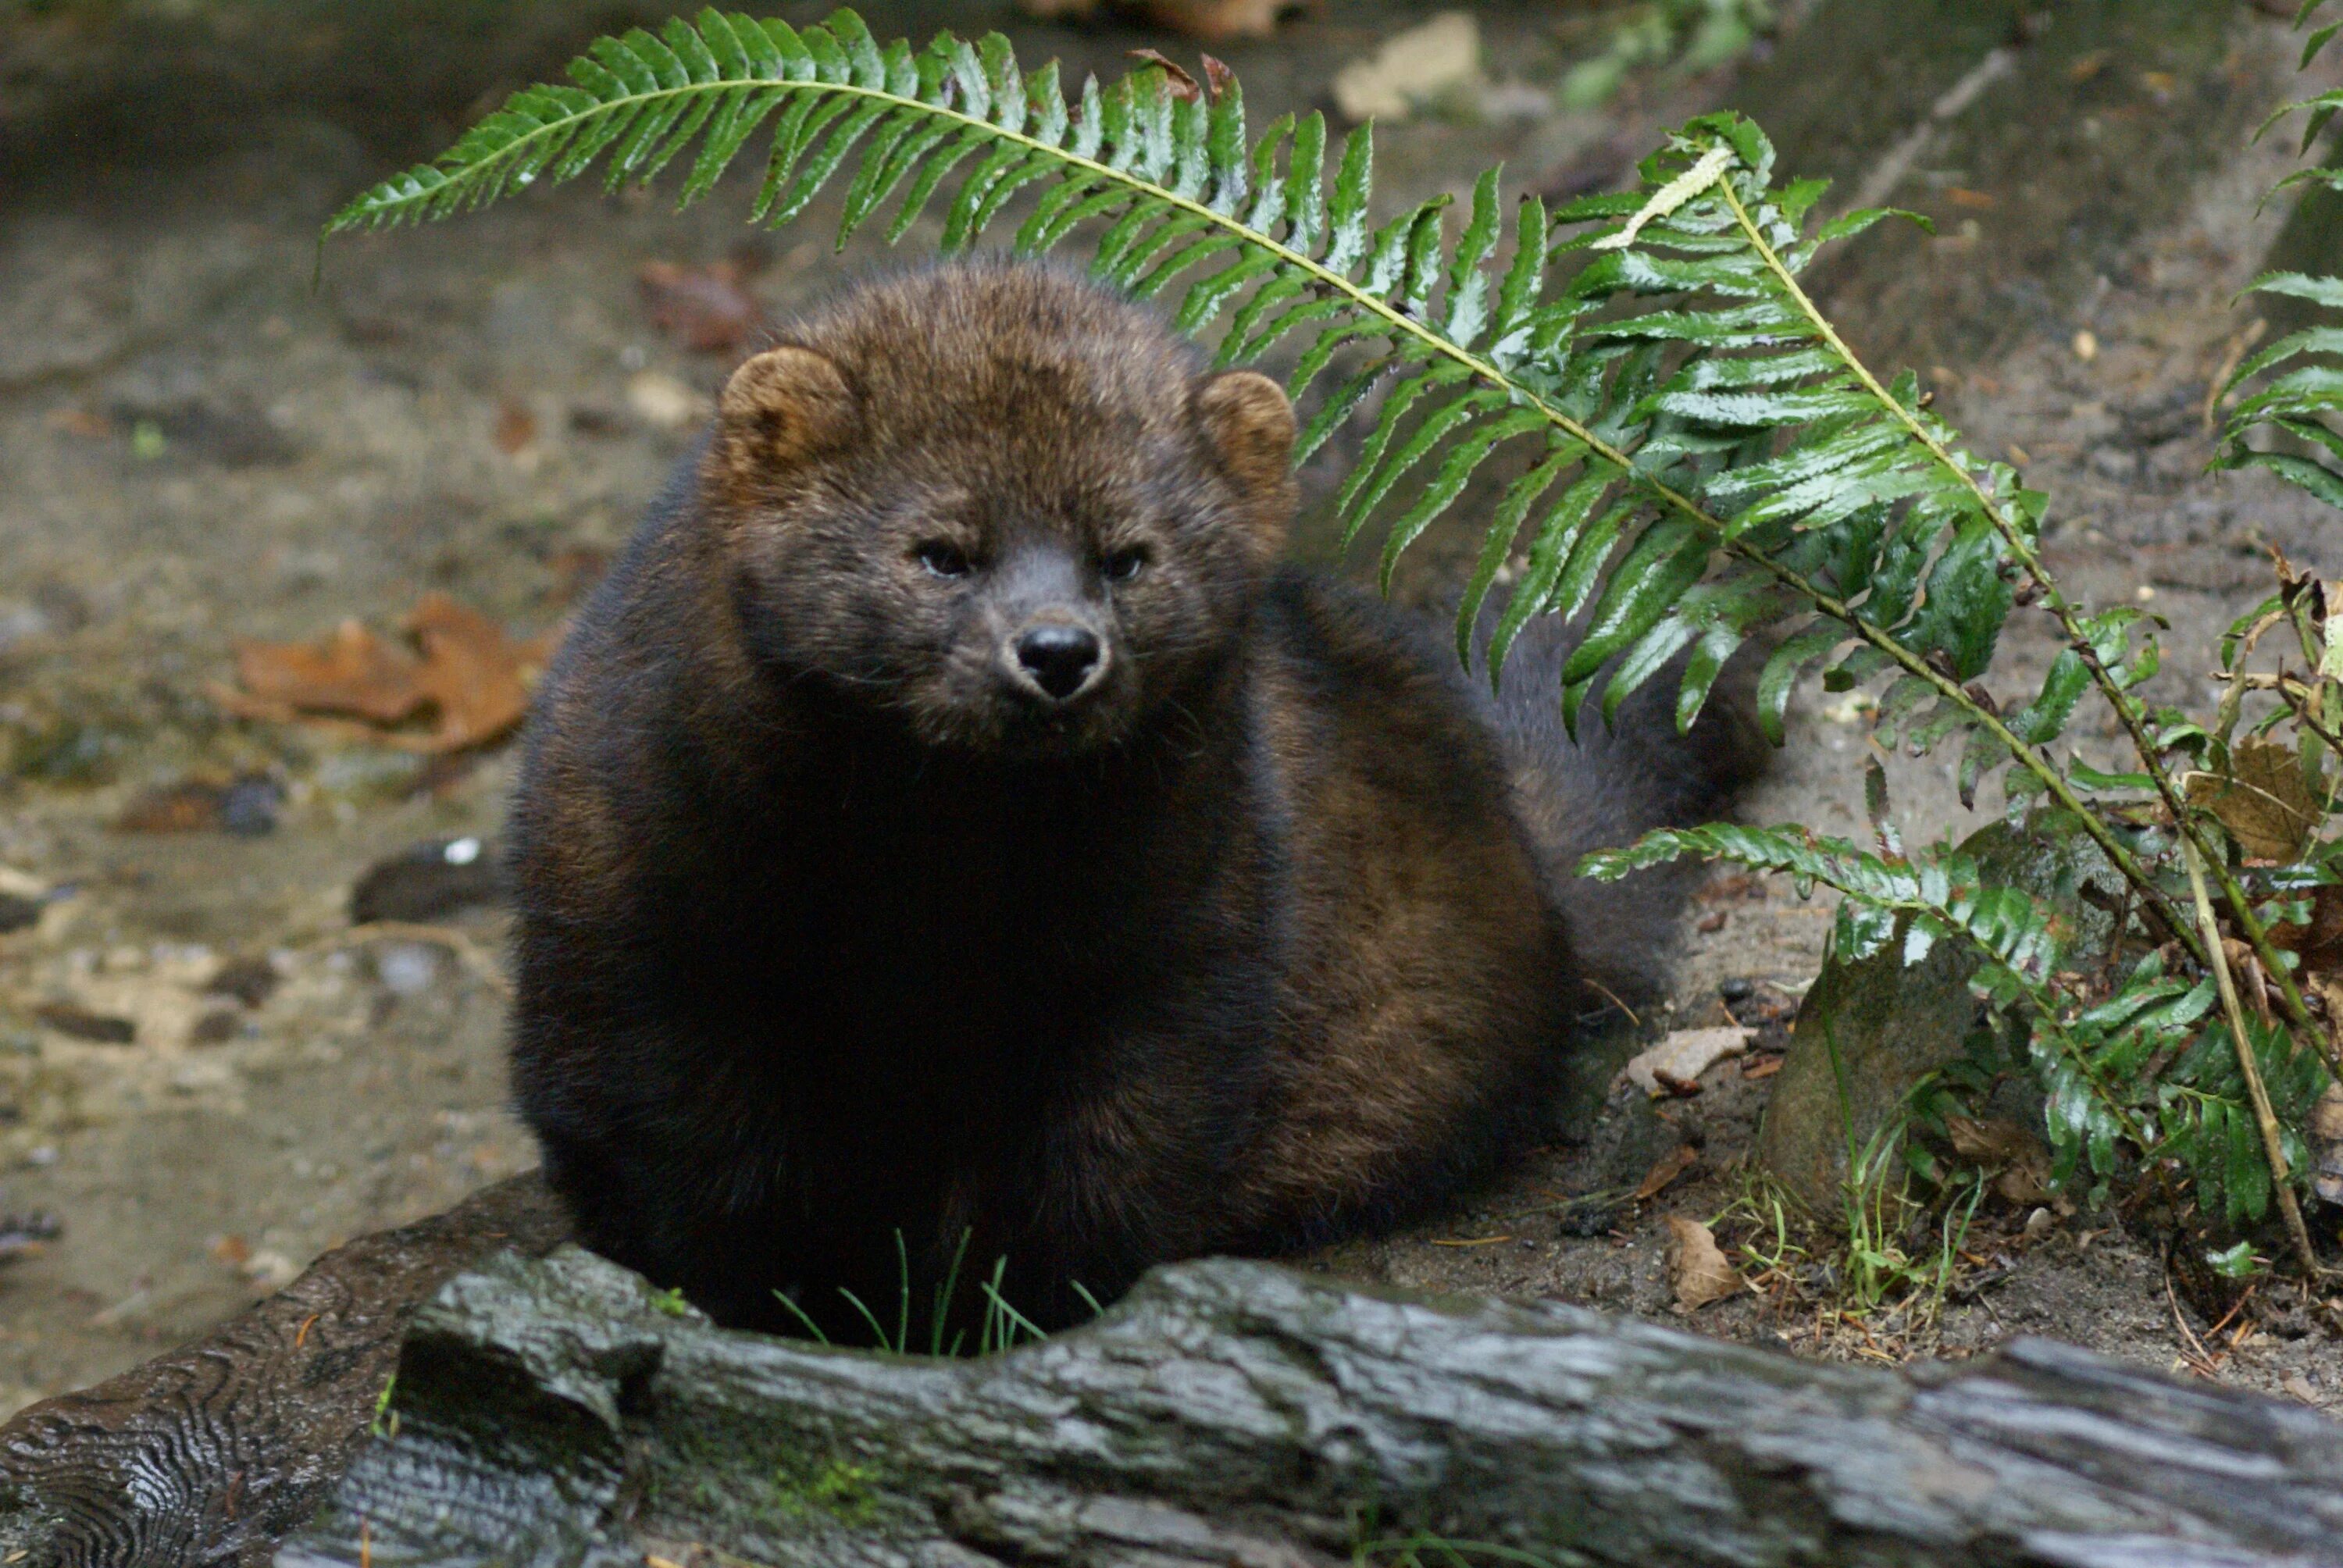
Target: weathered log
[[211, 1452], [559, 1413]]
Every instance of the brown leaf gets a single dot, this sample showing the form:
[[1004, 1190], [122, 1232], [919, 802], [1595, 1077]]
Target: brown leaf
[[1697, 1271], [515, 427], [2015, 1157], [353, 672], [468, 677], [2319, 944], [1176, 79], [1991, 1143], [2327, 1144], [707, 308], [186, 807], [2264, 801], [1666, 1169], [476, 676], [1214, 21], [1218, 78]]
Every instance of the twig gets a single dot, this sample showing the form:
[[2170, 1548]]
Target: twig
[[2200, 1359], [1594, 984], [2273, 1140]]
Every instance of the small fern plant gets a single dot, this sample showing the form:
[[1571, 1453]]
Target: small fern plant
[[1683, 449]]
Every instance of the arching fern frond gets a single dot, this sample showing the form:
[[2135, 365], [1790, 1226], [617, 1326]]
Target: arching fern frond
[[1671, 441], [1690, 456]]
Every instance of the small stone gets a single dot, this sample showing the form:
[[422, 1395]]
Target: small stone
[[664, 401], [1684, 1055], [80, 1023], [2086, 346], [250, 980], [433, 879], [407, 969], [216, 1027], [249, 807], [2039, 1226], [271, 1271]]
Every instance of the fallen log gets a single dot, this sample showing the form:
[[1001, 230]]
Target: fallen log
[[560, 1412], [209, 1453]]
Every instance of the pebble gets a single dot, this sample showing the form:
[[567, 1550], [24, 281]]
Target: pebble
[[432, 880], [407, 969]]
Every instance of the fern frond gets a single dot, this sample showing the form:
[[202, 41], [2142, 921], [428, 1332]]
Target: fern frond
[[2301, 404], [1709, 470], [1683, 454]]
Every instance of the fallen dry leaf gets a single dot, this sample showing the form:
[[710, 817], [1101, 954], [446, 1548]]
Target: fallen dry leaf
[[182, 808], [476, 676], [1666, 1169], [708, 309], [515, 427], [2014, 1157], [1210, 20], [1684, 1055], [2265, 801], [1697, 1271], [1994, 1142], [1442, 55], [351, 672], [466, 676], [245, 807], [2319, 944], [1215, 21], [2327, 1144]]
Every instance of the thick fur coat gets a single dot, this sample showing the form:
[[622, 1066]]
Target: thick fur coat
[[948, 821]]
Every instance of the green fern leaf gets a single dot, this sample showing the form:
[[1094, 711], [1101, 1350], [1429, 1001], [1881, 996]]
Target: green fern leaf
[[1729, 427]]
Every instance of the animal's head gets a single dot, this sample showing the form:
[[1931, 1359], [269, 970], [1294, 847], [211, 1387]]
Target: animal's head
[[998, 503]]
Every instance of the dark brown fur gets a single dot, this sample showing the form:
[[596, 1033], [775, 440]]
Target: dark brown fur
[[833, 926]]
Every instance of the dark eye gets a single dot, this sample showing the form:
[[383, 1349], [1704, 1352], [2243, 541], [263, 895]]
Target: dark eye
[[1122, 566], [943, 559]]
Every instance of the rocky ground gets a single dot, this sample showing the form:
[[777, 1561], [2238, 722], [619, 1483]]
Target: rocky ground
[[209, 1072]]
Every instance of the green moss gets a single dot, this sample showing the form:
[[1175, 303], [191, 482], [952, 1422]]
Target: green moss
[[845, 1491]]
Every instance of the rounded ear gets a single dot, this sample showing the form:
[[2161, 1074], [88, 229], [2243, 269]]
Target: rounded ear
[[1248, 424], [782, 406]]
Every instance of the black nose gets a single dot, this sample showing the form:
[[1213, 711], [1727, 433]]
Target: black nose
[[1060, 658]]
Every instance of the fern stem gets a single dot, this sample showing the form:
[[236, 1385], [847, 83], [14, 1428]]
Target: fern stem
[[2273, 1141], [2016, 544], [1951, 691], [2127, 711]]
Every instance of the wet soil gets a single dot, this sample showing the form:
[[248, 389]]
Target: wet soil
[[196, 446]]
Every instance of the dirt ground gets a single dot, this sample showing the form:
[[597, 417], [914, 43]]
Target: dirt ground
[[197, 447]]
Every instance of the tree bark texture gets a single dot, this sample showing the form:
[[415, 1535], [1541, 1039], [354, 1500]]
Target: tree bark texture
[[559, 1413], [208, 1454]]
